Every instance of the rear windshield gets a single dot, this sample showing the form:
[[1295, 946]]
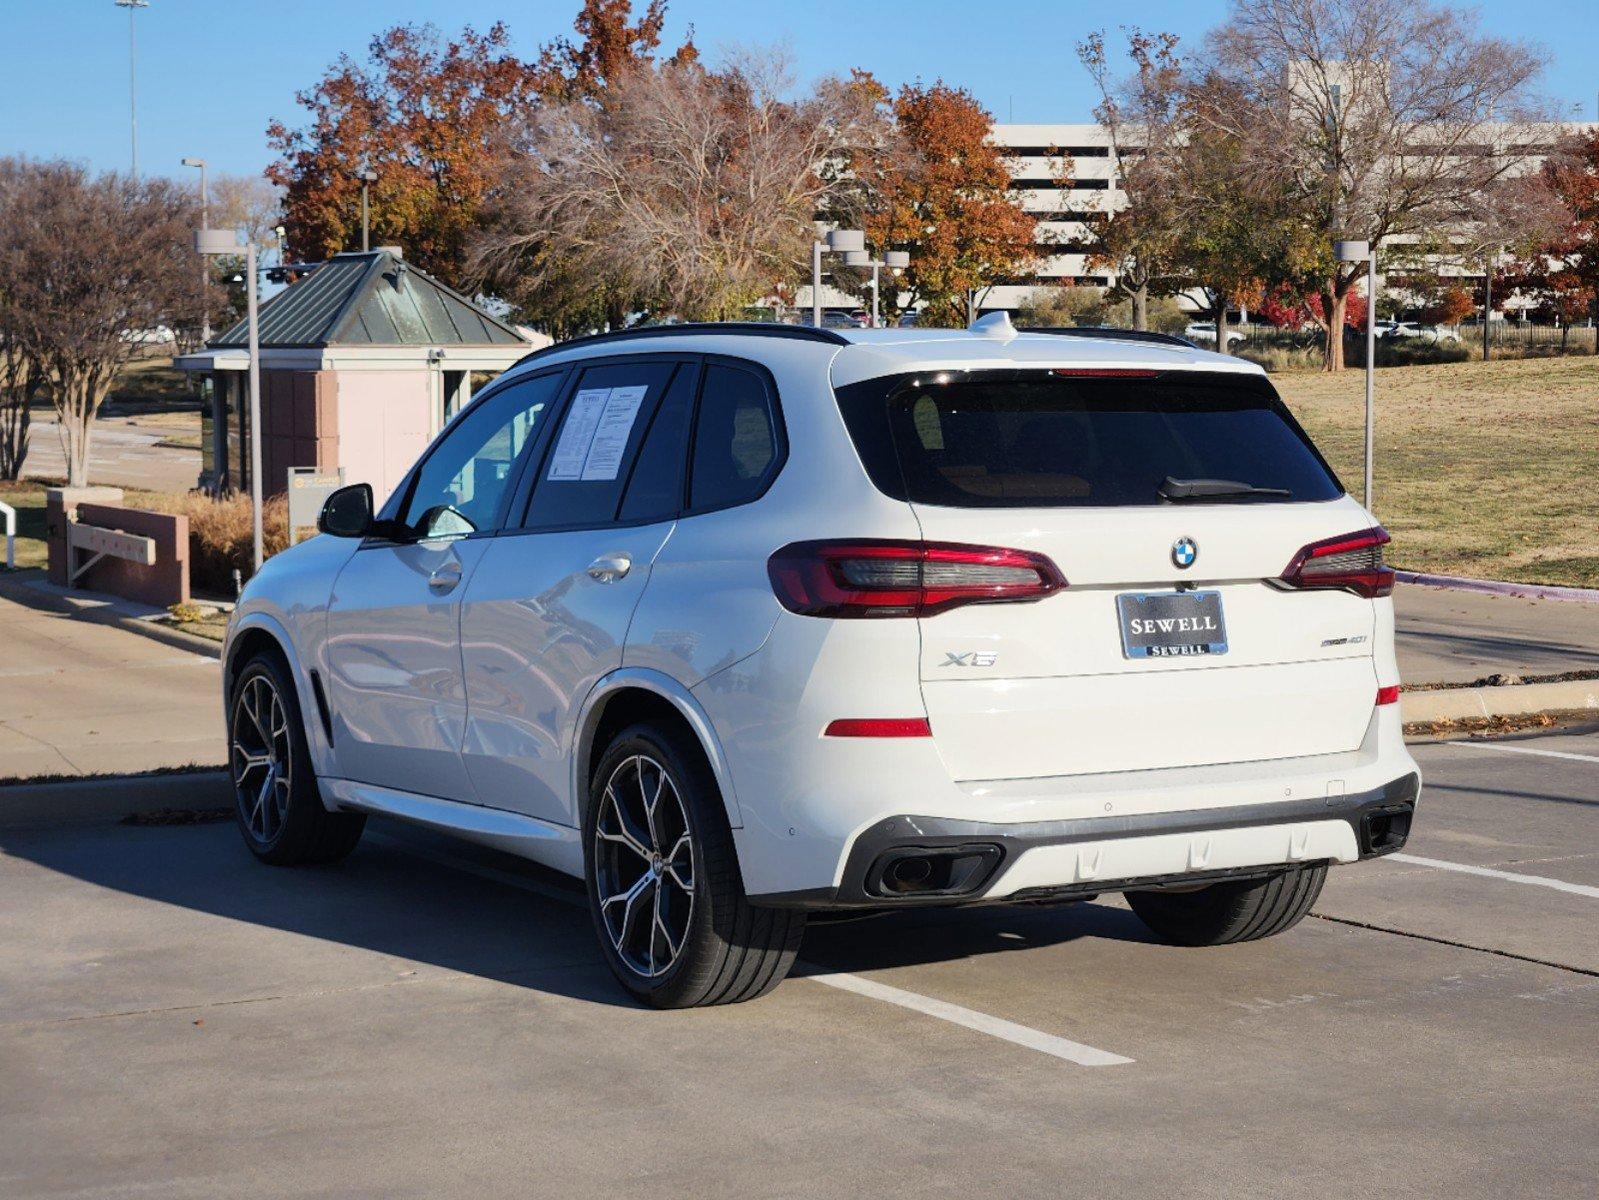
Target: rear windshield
[[1017, 439]]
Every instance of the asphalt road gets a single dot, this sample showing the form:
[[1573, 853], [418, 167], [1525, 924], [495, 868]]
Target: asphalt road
[[432, 1020]]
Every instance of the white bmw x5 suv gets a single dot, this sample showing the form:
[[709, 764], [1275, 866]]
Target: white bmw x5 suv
[[739, 623]]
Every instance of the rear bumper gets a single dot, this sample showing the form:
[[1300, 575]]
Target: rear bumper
[[1034, 860]]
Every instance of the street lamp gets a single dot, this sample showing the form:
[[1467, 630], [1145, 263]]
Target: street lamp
[[367, 177], [894, 260], [839, 241], [1353, 252], [226, 241], [133, 106], [205, 272]]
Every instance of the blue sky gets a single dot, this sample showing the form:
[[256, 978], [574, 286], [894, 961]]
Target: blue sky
[[213, 73]]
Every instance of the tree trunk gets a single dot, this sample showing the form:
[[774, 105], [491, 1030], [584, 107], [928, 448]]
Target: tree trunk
[[1221, 328], [16, 414], [1333, 303], [1141, 306]]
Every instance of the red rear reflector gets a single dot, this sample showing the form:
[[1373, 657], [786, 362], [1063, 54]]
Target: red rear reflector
[[1352, 562], [880, 727], [1103, 373], [1388, 695], [884, 578]]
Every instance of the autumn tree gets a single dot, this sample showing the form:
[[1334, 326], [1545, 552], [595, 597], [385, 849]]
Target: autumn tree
[[941, 190], [424, 114], [1143, 118], [1562, 273], [692, 191], [86, 261], [1385, 118]]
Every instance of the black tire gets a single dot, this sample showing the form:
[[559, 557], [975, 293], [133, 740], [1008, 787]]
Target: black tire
[[729, 950], [286, 826], [1231, 912]]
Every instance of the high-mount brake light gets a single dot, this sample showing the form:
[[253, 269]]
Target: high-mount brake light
[[1103, 373], [1352, 562], [891, 578]]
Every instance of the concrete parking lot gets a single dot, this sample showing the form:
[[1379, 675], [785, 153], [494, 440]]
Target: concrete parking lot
[[433, 1020]]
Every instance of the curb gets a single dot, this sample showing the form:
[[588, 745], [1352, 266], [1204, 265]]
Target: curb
[[101, 609], [1511, 700], [1494, 587], [105, 800]]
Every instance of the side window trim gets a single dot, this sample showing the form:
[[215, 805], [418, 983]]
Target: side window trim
[[532, 471], [400, 499], [779, 432]]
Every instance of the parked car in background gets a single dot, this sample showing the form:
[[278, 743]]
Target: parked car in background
[[740, 623], [1204, 332], [1399, 330]]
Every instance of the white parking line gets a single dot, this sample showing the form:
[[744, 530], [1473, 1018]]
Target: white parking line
[[998, 1027], [1559, 885], [1593, 758], [1007, 1031]]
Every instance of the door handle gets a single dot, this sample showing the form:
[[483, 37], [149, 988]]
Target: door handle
[[608, 568], [444, 579]]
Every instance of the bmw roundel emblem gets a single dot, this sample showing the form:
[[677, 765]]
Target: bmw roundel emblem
[[1183, 552]]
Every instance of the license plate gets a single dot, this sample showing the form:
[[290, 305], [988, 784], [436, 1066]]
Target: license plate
[[1171, 624]]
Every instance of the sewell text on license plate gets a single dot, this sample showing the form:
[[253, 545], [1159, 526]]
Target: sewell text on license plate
[[1171, 624]]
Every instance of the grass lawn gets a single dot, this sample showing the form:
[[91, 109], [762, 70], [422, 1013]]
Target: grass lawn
[[1482, 469], [28, 499]]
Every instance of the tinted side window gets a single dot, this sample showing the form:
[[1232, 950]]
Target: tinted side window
[[655, 491], [461, 483], [581, 479], [735, 439]]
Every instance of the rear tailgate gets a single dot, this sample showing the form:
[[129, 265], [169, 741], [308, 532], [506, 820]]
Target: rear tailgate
[[1174, 642], [1021, 690]]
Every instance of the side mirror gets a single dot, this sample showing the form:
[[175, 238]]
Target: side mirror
[[347, 512]]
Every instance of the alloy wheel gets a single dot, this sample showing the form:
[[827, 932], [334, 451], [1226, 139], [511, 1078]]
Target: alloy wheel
[[261, 758], [644, 866]]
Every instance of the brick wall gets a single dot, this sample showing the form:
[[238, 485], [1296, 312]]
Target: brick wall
[[300, 410], [163, 584]]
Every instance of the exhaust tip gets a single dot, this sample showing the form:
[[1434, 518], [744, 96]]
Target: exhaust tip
[[941, 871]]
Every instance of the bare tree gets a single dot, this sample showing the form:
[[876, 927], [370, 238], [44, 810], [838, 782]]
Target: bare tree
[[691, 191], [1386, 118], [19, 379], [1143, 118], [87, 263]]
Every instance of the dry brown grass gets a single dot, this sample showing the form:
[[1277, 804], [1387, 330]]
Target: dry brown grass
[[220, 536], [1482, 469]]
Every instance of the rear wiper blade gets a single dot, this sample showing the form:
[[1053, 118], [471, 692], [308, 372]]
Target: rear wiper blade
[[1214, 489]]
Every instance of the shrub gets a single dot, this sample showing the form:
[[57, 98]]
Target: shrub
[[220, 535]]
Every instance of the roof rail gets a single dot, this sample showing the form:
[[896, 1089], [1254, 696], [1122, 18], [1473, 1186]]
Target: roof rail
[[1107, 331], [804, 333]]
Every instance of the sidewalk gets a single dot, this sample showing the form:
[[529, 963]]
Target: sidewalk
[[1450, 636], [80, 698]]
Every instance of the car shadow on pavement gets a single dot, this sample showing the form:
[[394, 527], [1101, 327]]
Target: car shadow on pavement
[[939, 935], [520, 925], [382, 899]]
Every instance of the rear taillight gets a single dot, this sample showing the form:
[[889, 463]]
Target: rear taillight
[[1387, 695], [1352, 562], [904, 579]]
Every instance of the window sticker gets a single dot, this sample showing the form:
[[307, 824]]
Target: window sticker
[[576, 435], [604, 458], [596, 432]]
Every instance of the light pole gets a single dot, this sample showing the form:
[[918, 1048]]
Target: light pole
[[226, 241], [839, 241], [367, 177], [133, 92], [1353, 252], [894, 260], [205, 270]]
